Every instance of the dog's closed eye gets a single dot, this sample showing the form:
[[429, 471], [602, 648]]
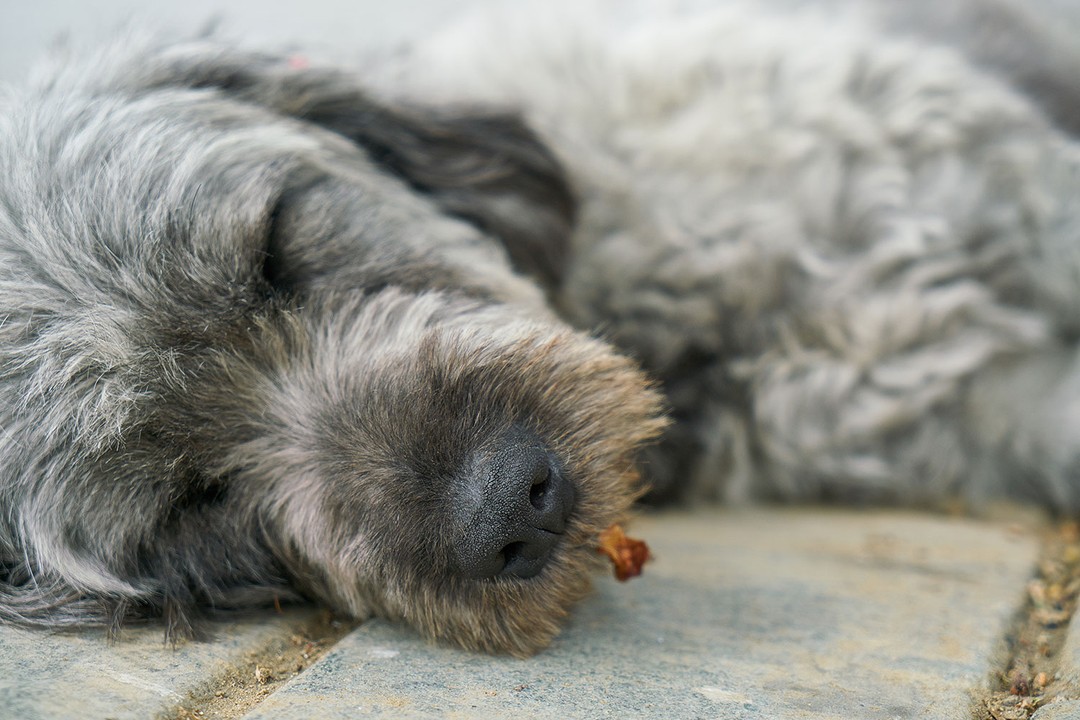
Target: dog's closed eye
[[274, 268]]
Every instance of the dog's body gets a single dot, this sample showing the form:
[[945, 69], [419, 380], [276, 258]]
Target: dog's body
[[262, 333], [852, 260]]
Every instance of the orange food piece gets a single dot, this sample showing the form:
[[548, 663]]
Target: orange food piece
[[627, 554]]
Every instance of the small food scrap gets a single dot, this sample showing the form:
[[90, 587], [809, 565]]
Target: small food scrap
[[627, 554]]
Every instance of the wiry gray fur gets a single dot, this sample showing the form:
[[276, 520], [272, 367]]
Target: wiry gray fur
[[255, 324], [253, 335]]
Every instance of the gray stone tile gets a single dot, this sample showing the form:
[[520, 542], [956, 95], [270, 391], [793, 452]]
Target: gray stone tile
[[1065, 710], [789, 614], [46, 676], [1068, 673]]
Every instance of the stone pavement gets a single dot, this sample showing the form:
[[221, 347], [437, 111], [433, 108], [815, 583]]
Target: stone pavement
[[82, 675], [743, 614]]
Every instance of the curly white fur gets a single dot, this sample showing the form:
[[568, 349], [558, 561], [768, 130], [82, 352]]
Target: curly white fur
[[851, 257]]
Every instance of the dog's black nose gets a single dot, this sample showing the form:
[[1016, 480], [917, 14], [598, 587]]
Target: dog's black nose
[[513, 509]]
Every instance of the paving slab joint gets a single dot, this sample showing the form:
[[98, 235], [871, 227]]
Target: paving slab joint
[[1027, 675], [243, 685]]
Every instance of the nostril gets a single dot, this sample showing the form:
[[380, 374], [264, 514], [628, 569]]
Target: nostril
[[551, 500], [540, 486], [512, 552], [525, 559]]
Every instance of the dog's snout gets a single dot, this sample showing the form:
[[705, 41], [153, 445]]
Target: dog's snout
[[513, 511]]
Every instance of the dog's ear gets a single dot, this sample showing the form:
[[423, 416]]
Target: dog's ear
[[485, 167]]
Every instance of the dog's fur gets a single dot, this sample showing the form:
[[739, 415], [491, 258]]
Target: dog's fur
[[249, 345], [851, 258], [257, 324]]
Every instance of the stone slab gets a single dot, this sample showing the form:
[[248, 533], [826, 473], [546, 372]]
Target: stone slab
[[49, 676], [1063, 710], [744, 614]]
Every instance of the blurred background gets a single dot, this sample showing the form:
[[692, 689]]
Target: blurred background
[[346, 29]]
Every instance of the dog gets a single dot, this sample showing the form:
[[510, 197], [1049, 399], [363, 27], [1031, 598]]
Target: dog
[[269, 333]]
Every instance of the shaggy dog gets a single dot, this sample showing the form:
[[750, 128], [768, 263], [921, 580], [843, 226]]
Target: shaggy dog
[[264, 334]]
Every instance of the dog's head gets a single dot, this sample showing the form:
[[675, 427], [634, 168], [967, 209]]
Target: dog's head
[[443, 462], [316, 306]]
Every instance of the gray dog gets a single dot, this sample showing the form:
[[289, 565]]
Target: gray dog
[[265, 335]]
